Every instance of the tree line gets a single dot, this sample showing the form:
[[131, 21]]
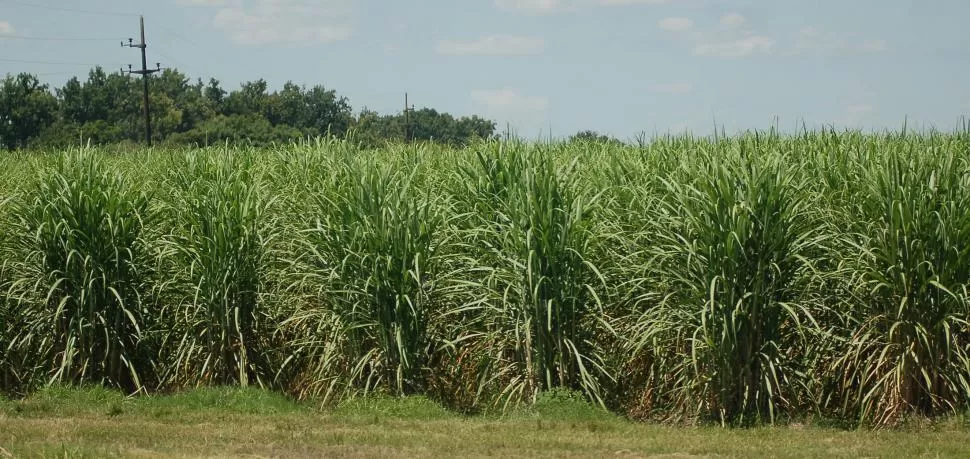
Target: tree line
[[107, 108]]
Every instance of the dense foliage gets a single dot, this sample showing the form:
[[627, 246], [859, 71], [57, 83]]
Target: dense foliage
[[753, 279], [107, 108]]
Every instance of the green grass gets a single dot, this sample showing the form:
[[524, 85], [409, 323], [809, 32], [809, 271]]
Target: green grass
[[96, 422], [382, 407]]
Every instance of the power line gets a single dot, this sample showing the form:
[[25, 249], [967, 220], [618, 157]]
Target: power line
[[178, 35], [169, 33], [68, 10], [23, 61], [179, 65], [25, 37], [167, 57], [53, 73]]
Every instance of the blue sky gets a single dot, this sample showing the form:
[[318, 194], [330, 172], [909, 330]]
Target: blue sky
[[616, 66]]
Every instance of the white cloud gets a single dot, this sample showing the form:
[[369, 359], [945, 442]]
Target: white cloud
[[508, 101], [741, 47], [811, 40], [735, 38], [634, 2], [557, 6], [855, 114], [731, 38], [872, 46], [672, 88], [6, 28], [494, 45], [294, 22], [675, 23], [530, 6], [203, 2], [525, 114], [858, 109], [732, 21]]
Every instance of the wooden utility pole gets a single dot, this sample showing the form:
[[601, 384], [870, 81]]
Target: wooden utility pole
[[144, 72], [407, 119]]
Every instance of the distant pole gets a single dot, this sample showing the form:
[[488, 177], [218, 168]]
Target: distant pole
[[407, 119], [144, 72]]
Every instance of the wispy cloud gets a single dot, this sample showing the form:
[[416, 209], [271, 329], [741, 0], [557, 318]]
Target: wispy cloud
[[281, 22], [672, 88], [741, 47], [872, 46], [859, 109], [559, 6], [494, 45], [531, 6], [508, 101], [523, 112], [203, 2], [854, 114], [732, 21], [675, 24], [812, 40], [731, 38], [634, 2], [735, 37]]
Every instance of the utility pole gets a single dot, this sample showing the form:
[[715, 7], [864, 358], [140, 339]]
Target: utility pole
[[144, 72], [407, 119]]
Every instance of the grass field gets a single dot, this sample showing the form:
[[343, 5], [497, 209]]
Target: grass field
[[254, 423], [761, 279]]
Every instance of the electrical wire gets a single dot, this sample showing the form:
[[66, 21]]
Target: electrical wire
[[24, 61], [53, 73], [26, 37], [167, 57], [175, 34], [68, 10]]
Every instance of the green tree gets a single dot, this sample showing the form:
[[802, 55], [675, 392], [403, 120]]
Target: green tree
[[427, 124], [27, 107], [107, 108], [250, 99], [251, 129], [475, 127], [592, 136], [182, 105], [103, 109], [105, 97], [430, 125], [372, 129], [287, 106], [326, 111], [316, 111], [215, 96]]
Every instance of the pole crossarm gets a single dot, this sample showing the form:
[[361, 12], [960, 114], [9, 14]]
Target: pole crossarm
[[144, 72]]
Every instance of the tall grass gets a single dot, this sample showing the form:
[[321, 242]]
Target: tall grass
[[732, 255], [78, 275], [529, 227], [744, 280], [370, 245], [216, 251], [8, 326], [908, 351]]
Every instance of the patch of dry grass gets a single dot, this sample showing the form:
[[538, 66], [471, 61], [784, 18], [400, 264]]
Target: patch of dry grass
[[249, 423]]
